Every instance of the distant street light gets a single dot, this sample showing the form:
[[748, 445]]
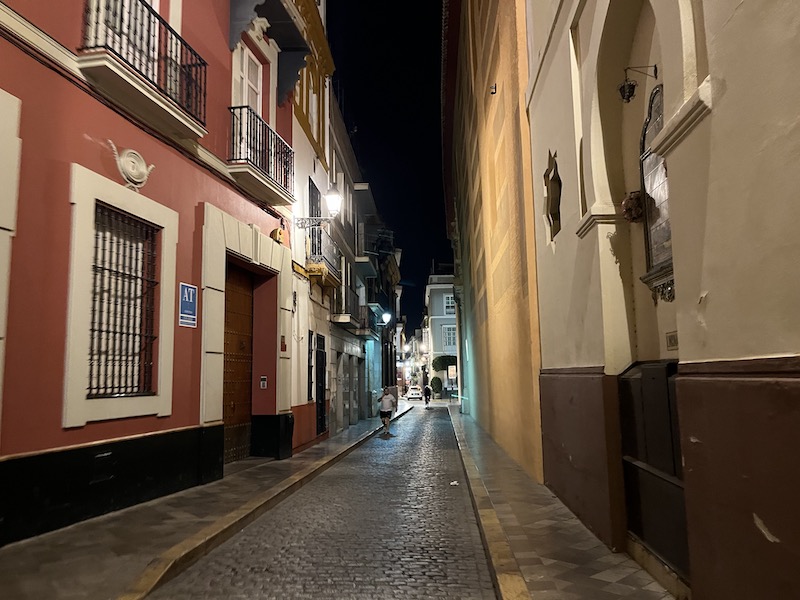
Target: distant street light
[[386, 318]]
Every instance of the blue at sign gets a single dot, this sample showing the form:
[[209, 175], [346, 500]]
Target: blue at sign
[[188, 306]]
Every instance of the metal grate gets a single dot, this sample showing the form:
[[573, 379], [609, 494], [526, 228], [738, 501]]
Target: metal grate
[[123, 305], [254, 142], [141, 38]]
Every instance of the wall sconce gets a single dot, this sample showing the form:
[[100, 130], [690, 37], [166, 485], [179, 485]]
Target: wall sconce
[[334, 201], [627, 89]]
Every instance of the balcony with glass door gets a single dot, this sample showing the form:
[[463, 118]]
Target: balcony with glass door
[[132, 56], [260, 160]]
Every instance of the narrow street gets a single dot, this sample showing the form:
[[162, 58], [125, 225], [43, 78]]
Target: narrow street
[[385, 522]]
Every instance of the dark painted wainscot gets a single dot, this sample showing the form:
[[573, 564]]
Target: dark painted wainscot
[[54, 489]]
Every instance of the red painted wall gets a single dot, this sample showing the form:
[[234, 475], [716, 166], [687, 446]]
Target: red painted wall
[[60, 124], [63, 20], [283, 118], [206, 27]]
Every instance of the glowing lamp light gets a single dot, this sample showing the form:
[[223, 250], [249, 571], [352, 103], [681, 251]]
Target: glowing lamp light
[[386, 318], [334, 201]]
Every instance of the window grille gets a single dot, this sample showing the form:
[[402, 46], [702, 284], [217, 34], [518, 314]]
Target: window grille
[[123, 305]]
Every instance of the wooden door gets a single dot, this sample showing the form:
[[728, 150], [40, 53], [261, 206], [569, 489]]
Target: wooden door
[[652, 462], [238, 370]]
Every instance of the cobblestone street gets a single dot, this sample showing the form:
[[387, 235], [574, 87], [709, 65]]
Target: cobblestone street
[[382, 523]]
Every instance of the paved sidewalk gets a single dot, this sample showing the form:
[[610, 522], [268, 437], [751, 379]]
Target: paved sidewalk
[[534, 539], [125, 553]]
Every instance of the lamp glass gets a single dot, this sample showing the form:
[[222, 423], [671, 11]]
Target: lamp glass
[[334, 201], [386, 318]]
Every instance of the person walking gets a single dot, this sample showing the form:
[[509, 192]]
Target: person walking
[[388, 403], [428, 393]]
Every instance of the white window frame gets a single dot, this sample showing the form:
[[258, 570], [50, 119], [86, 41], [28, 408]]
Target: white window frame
[[86, 188], [445, 335], [452, 303], [241, 83]]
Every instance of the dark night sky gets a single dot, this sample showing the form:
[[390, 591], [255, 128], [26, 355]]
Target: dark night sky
[[388, 80]]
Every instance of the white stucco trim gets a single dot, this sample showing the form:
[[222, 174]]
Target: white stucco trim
[[10, 161], [85, 188], [176, 15], [223, 234], [684, 120]]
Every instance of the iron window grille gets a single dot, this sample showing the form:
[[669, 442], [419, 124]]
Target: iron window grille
[[122, 340]]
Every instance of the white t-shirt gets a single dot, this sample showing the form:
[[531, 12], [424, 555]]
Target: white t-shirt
[[387, 402]]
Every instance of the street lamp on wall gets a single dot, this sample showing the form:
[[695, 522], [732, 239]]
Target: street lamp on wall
[[627, 89], [333, 199]]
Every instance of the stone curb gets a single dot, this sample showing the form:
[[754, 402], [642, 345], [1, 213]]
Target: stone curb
[[182, 555], [508, 580]]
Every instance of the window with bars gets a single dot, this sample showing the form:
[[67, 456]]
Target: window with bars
[[449, 304], [123, 328], [448, 336]]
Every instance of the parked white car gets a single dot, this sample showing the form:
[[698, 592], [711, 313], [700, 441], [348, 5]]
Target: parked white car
[[414, 393]]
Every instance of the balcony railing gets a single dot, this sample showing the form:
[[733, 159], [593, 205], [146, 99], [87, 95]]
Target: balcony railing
[[325, 251], [346, 301], [139, 37], [368, 322], [254, 142]]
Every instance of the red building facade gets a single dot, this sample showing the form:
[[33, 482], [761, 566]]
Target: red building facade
[[128, 172]]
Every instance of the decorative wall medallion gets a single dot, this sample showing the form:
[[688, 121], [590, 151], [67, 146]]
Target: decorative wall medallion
[[632, 208], [132, 167], [552, 186]]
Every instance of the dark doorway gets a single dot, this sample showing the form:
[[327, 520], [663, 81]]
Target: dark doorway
[[321, 362], [238, 365], [652, 463]]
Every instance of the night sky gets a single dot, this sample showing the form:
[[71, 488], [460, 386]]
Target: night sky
[[388, 81]]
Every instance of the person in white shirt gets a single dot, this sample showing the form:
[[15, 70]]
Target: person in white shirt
[[388, 403]]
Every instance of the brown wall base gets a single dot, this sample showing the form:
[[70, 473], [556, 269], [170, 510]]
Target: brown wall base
[[581, 448], [305, 425], [740, 434]]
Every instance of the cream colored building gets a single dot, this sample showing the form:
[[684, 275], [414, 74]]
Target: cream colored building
[[663, 144]]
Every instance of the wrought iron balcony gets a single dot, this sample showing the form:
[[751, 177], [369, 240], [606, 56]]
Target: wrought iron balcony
[[254, 143], [367, 323], [136, 35], [324, 257]]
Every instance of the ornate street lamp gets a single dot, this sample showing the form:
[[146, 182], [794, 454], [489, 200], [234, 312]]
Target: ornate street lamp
[[333, 199]]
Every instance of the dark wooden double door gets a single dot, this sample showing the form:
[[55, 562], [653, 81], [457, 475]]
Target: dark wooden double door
[[652, 462], [237, 400]]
